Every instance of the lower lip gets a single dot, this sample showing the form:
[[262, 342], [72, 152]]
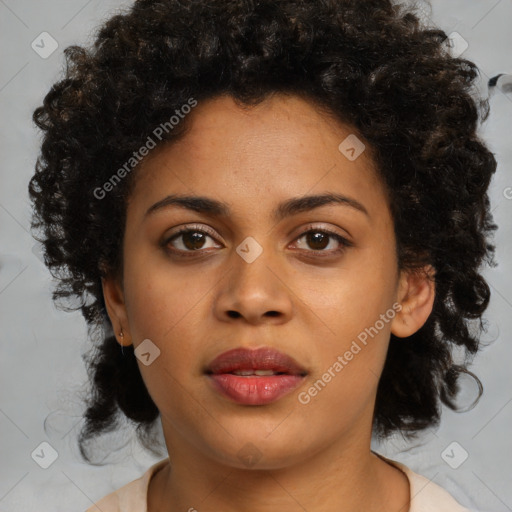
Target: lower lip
[[255, 390]]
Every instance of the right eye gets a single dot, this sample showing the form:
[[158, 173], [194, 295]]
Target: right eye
[[189, 240]]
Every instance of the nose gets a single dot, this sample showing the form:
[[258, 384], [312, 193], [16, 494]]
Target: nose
[[255, 292]]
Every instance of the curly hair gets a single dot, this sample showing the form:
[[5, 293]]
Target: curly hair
[[372, 65]]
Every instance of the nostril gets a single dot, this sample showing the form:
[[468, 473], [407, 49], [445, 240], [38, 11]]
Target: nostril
[[236, 314]]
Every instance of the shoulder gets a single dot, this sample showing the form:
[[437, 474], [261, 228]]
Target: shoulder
[[426, 496], [132, 497]]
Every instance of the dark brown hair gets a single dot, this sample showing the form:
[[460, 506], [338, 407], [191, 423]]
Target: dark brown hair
[[373, 65]]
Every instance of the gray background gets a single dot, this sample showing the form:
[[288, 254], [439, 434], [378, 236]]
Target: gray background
[[41, 370]]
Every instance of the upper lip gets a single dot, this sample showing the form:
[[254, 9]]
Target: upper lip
[[264, 358]]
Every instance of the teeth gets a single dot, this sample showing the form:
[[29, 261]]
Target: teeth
[[261, 373]]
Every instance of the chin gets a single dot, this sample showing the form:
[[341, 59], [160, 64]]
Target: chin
[[261, 451]]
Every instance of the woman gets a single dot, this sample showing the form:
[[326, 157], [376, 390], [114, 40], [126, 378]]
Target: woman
[[274, 215]]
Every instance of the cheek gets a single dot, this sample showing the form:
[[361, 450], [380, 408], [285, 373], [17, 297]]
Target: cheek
[[354, 310], [162, 309], [353, 297], [160, 299], [168, 307], [349, 367]]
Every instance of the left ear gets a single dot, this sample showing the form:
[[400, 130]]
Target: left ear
[[416, 293]]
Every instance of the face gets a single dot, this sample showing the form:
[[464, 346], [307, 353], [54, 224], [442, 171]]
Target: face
[[315, 280]]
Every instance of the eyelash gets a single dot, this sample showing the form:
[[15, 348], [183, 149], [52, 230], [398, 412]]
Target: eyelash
[[344, 243]]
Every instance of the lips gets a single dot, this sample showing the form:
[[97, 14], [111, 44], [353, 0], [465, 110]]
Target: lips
[[262, 359], [254, 377]]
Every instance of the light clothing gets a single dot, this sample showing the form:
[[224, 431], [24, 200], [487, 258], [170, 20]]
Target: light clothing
[[426, 496]]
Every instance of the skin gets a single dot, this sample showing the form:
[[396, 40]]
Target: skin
[[316, 456]]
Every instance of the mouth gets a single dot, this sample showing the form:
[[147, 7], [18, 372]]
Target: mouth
[[254, 377]]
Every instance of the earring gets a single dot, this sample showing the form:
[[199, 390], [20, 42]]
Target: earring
[[121, 334]]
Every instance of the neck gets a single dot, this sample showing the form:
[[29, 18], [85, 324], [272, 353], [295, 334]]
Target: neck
[[347, 477]]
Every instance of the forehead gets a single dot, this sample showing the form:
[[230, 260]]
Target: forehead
[[277, 124], [255, 155]]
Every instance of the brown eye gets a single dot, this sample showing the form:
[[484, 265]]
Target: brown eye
[[189, 240], [318, 240], [193, 239]]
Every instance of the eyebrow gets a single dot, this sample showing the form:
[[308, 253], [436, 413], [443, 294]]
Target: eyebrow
[[206, 205]]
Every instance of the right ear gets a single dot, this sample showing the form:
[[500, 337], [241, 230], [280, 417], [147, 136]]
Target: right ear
[[116, 308]]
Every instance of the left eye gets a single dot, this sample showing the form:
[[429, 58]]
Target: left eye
[[318, 240]]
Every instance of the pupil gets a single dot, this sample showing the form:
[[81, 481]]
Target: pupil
[[193, 240], [318, 240]]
